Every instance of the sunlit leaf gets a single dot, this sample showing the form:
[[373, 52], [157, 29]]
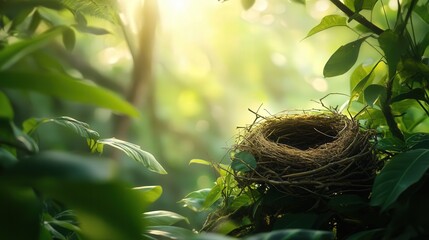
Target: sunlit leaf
[[343, 59], [293, 234], [66, 87], [402, 171], [374, 92], [5, 106], [200, 161], [92, 30], [14, 52], [247, 4], [328, 22], [149, 194], [243, 162], [135, 152], [195, 200], [170, 232], [162, 218], [390, 44]]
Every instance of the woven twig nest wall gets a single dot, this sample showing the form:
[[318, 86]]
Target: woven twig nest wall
[[319, 154]]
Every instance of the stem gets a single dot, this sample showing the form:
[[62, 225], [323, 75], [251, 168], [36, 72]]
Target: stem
[[356, 16], [387, 112]]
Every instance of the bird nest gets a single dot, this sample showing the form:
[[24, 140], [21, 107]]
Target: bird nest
[[320, 154]]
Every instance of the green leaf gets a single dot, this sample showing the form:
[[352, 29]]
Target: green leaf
[[170, 232], [402, 171], [20, 209], [390, 44], [213, 196], [417, 94], [162, 218], [69, 39], [374, 92], [243, 162], [200, 161], [149, 194], [81, 128], [62, 166], [247, 4], [343, 59], [7, 159], [91, 30], [328, 22], [135, 152], [368, 234], [293, 234], [6, 107], [195, 200], [66, 87], [16, 51]]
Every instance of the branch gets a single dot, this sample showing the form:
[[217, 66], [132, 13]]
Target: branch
[[356, 16]]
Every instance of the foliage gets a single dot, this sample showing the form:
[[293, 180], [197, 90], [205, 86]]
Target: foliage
[[390, 96]]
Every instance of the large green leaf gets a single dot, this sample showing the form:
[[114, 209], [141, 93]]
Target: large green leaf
[[148, 194], [402, 171], [328, 22], [162, 218], [292, 234], [14, 52], [390, 44], [135, 152], [66, 87], [343, 59]]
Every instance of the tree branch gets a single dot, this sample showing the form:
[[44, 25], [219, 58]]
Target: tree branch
[[356, 16]]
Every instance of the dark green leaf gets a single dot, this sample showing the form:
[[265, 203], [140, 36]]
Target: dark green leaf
[[243, 162], [328, 22], [359, 78], [195, 200], [247, 4], [358, 4], [6, 107], [293, 234], [374, 92], [62, 166], [343, 59], [212, 236], [14, 52], [391, 144], [162, 218], [422, 12], [35, 21], [20, 209], [7, 159], [135, 152], [347, 203], [390, 44], [372, 234], [417, 94], [170, 232], [69, 39], [402, 171], [66, 87]]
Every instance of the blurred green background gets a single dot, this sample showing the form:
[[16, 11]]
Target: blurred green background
[[212, 61]]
